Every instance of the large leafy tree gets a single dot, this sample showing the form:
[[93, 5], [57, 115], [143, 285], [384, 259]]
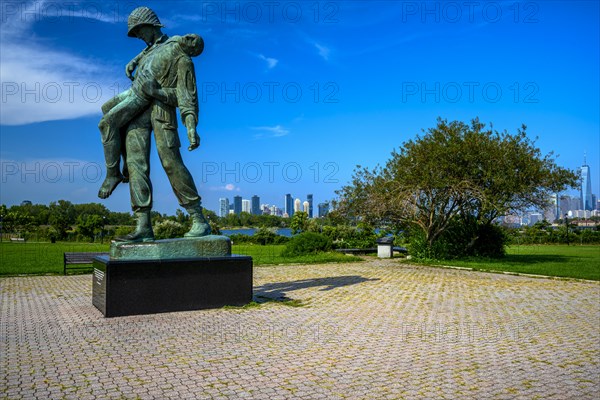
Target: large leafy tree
[[91, 209], [16, 221], [454, 171], [90, 225], [62, 216]]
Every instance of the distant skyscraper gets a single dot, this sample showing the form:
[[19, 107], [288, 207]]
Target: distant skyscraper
[[309, 198], [246, 206], [535, 217], [297, 205], [305, 206], [568, 203], [564, 204], [256, 210], [553, 211], [289, 205], [223, 207], [323, 209], [586, 187], [237, 205]]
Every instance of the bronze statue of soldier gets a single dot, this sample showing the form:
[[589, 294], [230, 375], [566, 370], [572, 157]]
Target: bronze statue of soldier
[[163, 80]]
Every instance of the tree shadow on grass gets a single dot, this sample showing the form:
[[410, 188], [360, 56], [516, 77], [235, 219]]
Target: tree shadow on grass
[[279, 290], [532, 259]]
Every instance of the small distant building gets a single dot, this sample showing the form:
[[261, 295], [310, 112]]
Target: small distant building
[[579, 213], [289, 205], [323, 209], [255, 208], [237, 205], [587, 224], [246, 206], [223, 207], [276, 211], [535, 217]]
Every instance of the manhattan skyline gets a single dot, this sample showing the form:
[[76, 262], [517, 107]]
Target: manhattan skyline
[[255, 206]]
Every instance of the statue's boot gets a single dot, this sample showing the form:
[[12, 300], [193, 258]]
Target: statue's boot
[[143, 231], [200, 227], [112, 157]]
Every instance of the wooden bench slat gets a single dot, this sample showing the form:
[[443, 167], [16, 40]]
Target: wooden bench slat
[[79, 258]]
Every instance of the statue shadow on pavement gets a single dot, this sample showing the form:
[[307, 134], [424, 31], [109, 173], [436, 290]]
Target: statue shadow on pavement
[[279, 290]]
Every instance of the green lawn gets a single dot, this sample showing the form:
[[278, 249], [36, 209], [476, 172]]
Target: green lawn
[[47, 258], [582, 262], [268, 255], [40, 258]]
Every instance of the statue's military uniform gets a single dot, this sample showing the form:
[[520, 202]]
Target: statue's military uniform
[[179, 82]]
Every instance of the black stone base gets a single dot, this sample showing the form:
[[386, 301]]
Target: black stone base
[[131, 287]]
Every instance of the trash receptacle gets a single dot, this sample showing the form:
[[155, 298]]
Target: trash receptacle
[[385, 247]]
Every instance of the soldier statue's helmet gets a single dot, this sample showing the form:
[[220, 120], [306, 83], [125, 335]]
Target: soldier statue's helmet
[[139, 17]]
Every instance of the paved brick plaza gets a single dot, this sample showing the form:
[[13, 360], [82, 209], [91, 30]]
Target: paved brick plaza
[[376, 329]]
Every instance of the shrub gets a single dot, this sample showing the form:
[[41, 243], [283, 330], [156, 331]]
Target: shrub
[[306, 243], [167, 229], [462, 238], [264, 236], [239, 238], [490, 242], [121, 231], [347, 237], [420, 249], [280, 239]]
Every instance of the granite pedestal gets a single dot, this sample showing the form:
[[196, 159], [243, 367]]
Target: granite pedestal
[[130, 285]]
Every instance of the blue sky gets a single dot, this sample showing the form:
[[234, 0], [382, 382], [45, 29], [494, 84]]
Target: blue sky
[[294, 94]]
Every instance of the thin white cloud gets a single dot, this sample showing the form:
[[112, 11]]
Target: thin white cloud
[[324, 51], [230, 187], [271, 62], [270, 131], [44, 84]]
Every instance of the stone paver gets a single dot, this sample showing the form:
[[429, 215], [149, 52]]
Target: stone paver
[[376, 329]]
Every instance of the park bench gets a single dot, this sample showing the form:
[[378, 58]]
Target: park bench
[[397, 249], [17, 240], [79, 258], [357, 251], [402, 250]]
